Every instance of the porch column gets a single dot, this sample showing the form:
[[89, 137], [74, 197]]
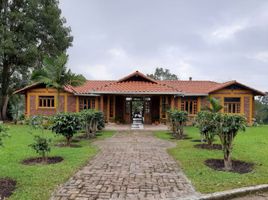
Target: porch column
[[108, 109], [172, 102], [114, 106], [101, 104]]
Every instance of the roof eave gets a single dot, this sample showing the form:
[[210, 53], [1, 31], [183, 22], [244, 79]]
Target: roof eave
[[131, 93]]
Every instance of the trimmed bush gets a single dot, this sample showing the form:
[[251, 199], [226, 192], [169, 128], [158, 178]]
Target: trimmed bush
[[206, 124], [66, 124], [93, 121], [177, 121]]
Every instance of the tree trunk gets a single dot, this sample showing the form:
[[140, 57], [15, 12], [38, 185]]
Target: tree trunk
[[68, 141], [227, 160], [4, 88], [4, 107]]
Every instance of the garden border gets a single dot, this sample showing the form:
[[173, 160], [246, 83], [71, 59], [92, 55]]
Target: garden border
[[239, 192]]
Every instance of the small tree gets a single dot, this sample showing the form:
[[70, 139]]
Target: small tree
[[41, 144], [227, 128], [66, 124], [92, 121], [207, 126], [177, 121]]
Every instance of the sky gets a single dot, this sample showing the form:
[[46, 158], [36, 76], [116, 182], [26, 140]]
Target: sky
[[218, 40]]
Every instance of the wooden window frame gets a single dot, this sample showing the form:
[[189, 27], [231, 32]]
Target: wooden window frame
[[232, 107], [190, 106], [46, 98], [85, 103]]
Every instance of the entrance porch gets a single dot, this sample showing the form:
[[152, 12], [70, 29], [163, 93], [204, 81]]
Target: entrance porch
[[126, 109]]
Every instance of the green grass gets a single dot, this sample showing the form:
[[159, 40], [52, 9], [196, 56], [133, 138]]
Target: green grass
[[250, 146], [39, 181]]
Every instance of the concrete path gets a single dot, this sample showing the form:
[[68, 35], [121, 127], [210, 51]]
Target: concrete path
[[131, 165], [260, 196]]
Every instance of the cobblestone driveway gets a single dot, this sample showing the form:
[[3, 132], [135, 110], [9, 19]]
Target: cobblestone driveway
[[131, 165]]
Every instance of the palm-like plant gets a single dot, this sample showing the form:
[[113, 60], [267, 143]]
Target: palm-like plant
[[215, 105], [54, 73]]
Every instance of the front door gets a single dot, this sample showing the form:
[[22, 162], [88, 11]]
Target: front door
[[147, 110]]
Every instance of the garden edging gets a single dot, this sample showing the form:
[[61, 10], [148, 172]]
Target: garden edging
[[235, 192]]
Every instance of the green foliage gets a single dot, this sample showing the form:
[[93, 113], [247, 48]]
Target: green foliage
[[41, 143], [39, 122], [251, 147], [227, 128], [30, 30], [205, 123], [215, 105], [37, 182], [177, 121], [3, 134], [66, 124], [16, 109], [261, 110], [93, 121], [54, 73], [42, 146], [163, 74]]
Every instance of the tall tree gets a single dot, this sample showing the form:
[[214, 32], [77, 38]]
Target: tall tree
[[54, 73], [29, 31], [163, 74]]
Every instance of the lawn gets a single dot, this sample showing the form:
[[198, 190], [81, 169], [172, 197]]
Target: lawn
[[250, 146], [37, 182]]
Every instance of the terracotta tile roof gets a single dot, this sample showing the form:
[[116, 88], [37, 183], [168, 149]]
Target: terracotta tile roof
[[136, 87], [90, 85], [138, 83], [193, 87]]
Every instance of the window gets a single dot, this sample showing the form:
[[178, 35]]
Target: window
[[86, 103], [46, 101], [189, 105], [232, 105]]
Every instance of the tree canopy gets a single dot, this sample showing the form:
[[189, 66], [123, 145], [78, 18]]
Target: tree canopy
[[29, 31], [261, 109], [163, 74], [54, 73]]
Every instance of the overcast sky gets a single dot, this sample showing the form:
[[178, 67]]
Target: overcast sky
[[216, 40]]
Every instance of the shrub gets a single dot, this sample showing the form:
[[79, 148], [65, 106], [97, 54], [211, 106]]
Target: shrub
[[41, 143], [39, 122], [206, 124], [42, 146], [3, 133], [227, 128], [177, 121], [92, 122], [66, 124]]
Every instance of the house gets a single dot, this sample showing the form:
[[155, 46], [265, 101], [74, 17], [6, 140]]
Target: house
[[119, 99]]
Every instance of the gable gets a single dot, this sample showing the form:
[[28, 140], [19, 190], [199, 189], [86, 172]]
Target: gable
[[235, 87], [137, 76]]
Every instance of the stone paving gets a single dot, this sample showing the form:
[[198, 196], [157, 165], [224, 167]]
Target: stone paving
[[131, 165]]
